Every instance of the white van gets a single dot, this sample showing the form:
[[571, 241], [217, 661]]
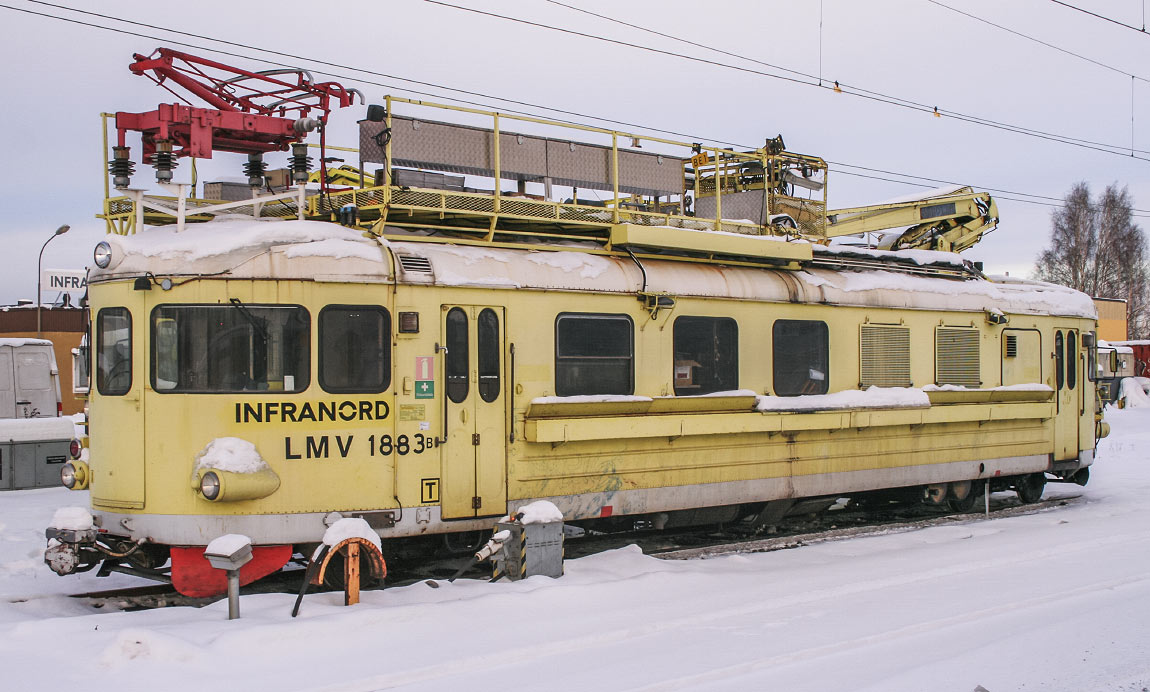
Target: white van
[[29, 379]]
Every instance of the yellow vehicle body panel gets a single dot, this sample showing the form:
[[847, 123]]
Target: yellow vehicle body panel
[[549, 448]]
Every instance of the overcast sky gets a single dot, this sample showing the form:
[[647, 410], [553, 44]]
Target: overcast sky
[[63, 75]]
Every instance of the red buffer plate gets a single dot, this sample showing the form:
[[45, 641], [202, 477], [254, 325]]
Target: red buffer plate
[[194, 576]]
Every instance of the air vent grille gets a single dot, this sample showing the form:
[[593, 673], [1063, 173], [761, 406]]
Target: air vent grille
[[884, 356], [1011, 346], [956, 356], [414, 264]]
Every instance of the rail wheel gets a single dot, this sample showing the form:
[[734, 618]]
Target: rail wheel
[[1030, 487], [935, 494], [962, 496], [464, 542]]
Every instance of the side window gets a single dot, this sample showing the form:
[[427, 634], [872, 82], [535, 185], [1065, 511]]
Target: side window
[[1059, 371], [800, 357], [457, 355], [594, 354], [230, 348], [113, 351], [487, 329], [1093, 367], [354, 348], [706, 355], [1071, 359]]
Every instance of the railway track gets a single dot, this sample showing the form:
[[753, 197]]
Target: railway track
[[681, 544]]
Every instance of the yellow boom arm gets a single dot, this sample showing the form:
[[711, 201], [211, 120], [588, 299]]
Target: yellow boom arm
[[950, 222]]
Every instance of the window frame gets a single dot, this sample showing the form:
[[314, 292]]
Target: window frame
[[826, 338], [630, 390], [306, 360], [450, 360], [483, 351], [387, 346], [714, 322], [100, 384], [1059, 360], [1071, 359]]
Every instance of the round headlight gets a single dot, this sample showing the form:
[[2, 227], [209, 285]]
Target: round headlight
[[210, 485], [75, 447], [102, 255], [68, 476]]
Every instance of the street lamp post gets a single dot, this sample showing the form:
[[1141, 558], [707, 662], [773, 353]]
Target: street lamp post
[[59, 231]]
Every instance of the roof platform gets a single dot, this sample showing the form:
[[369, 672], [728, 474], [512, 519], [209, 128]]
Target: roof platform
[[665, 198]]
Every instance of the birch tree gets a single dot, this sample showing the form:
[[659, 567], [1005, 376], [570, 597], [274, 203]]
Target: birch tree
[[1095, 247]]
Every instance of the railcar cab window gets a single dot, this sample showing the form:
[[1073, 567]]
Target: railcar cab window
[[800, 357], [354, 349], [230, 348], [706, 355], [594, 354], [1071, 360], [113, 351], [1059, 370], [488, 340], [458, 356]]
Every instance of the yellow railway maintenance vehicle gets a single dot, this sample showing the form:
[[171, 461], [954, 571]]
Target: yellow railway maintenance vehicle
[[448, 354]]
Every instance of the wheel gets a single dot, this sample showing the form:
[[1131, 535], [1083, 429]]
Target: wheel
[[962, 496], [934, 494], [464, 542], [1030, 487]]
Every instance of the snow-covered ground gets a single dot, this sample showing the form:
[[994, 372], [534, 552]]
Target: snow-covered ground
[[1057, 600]]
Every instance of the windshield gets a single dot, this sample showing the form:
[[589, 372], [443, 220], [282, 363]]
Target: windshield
[[230, 348]]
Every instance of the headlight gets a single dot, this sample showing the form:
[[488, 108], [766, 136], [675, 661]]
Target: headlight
[[210, 485], [74, 475], [102, 255], [75, 447], [68, 476]]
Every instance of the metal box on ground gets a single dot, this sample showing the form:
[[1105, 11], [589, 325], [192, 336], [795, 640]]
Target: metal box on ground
[[532, 549], [32, 451]]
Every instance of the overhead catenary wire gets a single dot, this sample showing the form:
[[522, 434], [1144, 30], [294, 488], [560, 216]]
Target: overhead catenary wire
[[1105, 18], [843, 85], [1118, 150], [695, 137], [1028, 37]]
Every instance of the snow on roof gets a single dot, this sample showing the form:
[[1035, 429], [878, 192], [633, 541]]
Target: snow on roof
[[17, 342], [36, 429], [241, 246], [335, 247], [919, 257], [228, 234], [588, 266]]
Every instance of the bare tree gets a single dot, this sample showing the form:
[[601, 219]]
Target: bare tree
[[1095, 247]]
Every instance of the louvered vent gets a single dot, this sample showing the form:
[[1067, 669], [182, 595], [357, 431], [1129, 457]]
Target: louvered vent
[[414, 264], [884, 356], [956, 356], [1011, 346]]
